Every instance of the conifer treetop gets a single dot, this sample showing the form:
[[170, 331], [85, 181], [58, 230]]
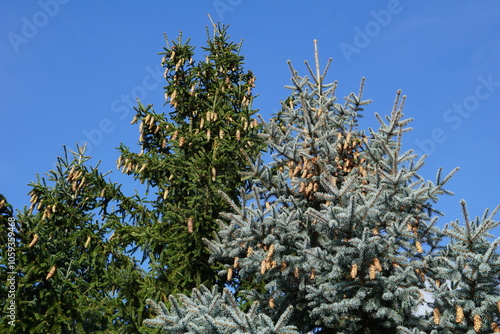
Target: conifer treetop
[[190, 151], [340, 224]]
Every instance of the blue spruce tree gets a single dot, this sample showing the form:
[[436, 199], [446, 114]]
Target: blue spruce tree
[[208, 311], [341, 226], [466, 288]]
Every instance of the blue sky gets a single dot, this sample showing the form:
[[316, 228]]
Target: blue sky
[[70, 72]]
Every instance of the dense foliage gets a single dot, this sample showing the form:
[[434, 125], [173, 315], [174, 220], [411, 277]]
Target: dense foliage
[[341, 226], [76, 246], [186, 157]]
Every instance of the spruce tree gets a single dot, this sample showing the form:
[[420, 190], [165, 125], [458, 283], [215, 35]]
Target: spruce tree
[[207, 311], [72, 273], [341, 226], [189, 154], [466, 280], [77, 272]]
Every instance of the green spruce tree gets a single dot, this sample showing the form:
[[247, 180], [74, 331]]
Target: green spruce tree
[[76, 245], [72, 273], [188, 155]]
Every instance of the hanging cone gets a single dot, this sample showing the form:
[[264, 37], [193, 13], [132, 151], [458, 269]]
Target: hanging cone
[[263, 267], [436, 316], [373, 272], [87, 243], [460, 315], [271, 303], [313, 273], [270, 252], [51, 273], [33, 242], [354, 271], [477, 323], [283, 265], [118, 165], [419, 247]]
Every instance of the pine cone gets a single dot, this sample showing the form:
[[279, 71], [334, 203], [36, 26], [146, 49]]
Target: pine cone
[[354, 271], [436, 316], [477, 323], [460, 315], [51, 273]]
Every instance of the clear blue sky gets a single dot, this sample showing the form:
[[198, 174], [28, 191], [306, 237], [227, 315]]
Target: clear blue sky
[[70, 72]]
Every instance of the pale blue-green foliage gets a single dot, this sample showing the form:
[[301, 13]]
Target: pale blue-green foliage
[[468, 274], [405, 330], [355, 201], [208, 311], [341, 227]]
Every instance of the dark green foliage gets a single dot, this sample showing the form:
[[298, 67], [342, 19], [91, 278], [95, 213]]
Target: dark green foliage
[[187, 156], [76, 245], [72, 274]]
